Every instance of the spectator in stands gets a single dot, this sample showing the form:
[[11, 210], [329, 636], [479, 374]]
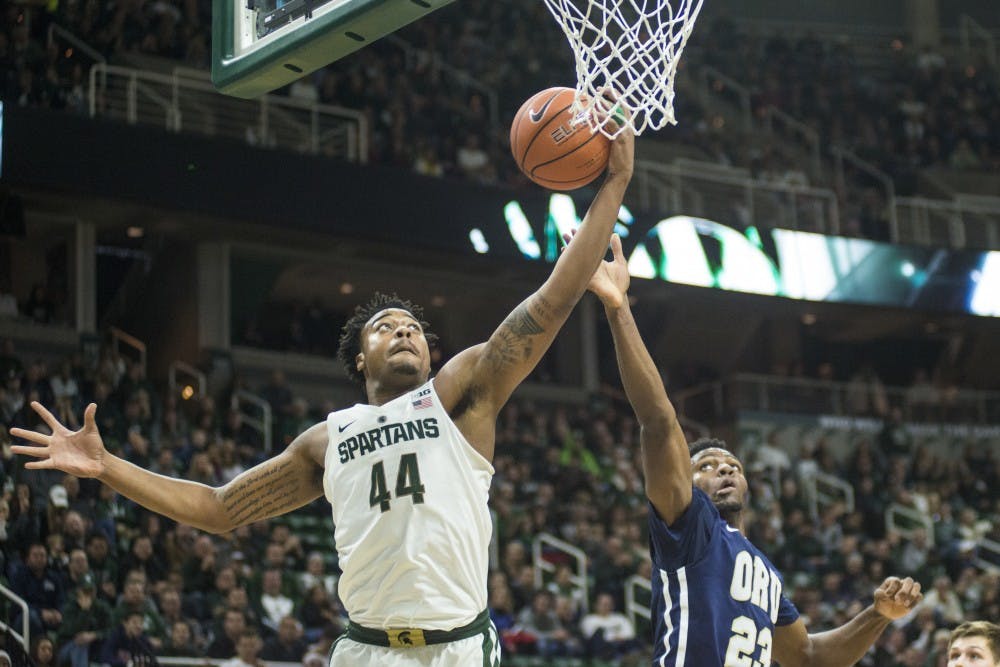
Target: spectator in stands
[[43, 653], [128, 645], [8, 302], [539, 621], [608, 633], [315, 575], [86, 620], [976, 643], [233, 626], [181, 642], [39, 307], [40, 586], [77, 571], [273, 605], [287, 645], [318, 612], [944, 601], [134, 600], [247, 649]]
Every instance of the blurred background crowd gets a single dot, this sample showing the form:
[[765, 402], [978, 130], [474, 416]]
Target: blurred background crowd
[[107, 582]]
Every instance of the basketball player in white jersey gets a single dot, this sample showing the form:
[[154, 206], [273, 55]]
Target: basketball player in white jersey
[[407, 474]]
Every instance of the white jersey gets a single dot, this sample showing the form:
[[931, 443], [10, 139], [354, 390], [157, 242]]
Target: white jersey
[[412, 527]]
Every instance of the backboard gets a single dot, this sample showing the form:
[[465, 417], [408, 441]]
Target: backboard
[[260, 45]]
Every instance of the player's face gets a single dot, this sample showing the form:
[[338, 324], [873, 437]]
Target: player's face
[[719, 474], [393, 343], [971, 652]]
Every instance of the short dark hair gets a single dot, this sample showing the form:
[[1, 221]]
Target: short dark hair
[[350, 335], [701, 444]]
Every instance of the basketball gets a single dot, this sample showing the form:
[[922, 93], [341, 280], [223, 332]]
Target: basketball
[[550, 149]]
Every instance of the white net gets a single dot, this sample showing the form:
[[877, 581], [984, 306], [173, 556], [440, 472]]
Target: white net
[[630, 49]]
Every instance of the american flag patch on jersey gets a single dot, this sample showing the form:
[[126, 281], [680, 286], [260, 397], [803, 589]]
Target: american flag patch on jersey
[[422, 403]]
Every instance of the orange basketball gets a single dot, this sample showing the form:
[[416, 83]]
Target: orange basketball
[[550, 149]]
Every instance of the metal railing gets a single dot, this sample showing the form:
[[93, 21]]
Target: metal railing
[[180, 102], [712, 81], [913, 520], [958, 223], [731, 195], [119, 337], [714, 401], [23, 637], [842, 156], [179, 371], [822, 490], [974, 37], [57, 32], [634, 608], [541, 566], [777, 120], [262, 422], [986, 546]]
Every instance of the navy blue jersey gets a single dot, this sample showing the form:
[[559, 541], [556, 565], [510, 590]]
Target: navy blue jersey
[[716, 598]]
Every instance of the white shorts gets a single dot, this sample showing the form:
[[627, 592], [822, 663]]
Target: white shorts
[[482, 650]]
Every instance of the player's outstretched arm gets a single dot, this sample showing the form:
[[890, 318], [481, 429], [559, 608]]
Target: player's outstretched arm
[[845, 645], [490, 372], [665, 460], [279, 485]]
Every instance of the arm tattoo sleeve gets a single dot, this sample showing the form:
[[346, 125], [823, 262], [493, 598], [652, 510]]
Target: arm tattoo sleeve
[[265, 493]]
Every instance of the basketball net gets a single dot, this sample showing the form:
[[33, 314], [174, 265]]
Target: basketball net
[[630, 48]]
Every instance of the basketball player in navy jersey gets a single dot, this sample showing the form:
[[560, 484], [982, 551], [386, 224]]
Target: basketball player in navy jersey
[[407, 474], [716, 598]]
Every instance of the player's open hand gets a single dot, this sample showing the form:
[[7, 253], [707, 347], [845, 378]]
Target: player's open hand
[[896, 597], [79, 453], [611, 279]]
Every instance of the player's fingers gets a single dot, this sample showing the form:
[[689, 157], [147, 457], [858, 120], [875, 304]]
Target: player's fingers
[[616, 247], [30, 436], [45, 464], [46, 416], [37, 452], [89, 422], [890, 586]]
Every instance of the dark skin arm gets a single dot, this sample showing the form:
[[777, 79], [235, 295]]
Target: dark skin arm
[[665, 460], [476, 383], [844, 646], [274, 487]]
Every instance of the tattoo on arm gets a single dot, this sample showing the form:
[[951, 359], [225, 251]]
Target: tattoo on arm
[[512, 342], [265, 493]]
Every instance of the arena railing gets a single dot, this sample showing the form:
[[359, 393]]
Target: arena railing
[[962, 222], [986, 546], [120, 338], [548, 542], [823, 490], [182, 103], [262, 421], [731, 195], [906, 521], [23, 637], [715, 401], [973, 37], [636, 608]]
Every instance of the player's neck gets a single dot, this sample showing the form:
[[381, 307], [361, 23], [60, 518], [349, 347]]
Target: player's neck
[[380, 393], [734, 518]]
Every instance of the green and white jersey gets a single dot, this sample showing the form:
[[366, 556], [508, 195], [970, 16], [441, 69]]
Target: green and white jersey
[[409, 498]]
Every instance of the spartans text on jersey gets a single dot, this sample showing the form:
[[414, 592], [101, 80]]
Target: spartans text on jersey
[[385, 435]]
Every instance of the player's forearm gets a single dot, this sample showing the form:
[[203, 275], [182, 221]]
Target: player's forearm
[[641, 380], [847, 644], [578, 262], [191, 503]]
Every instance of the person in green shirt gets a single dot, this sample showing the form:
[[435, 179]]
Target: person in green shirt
[[86, 619]]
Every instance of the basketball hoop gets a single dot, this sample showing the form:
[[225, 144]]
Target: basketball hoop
[[630, 47]]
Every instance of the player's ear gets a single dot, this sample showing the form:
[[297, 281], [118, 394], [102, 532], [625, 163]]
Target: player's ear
[[359, 362]]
